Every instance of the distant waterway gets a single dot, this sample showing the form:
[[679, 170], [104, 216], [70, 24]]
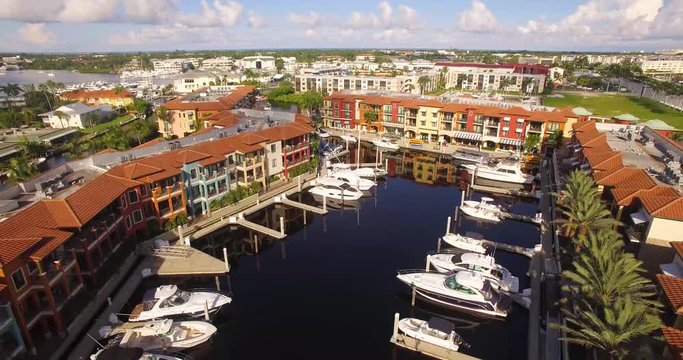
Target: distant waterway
[[329, 289], [35, 77]]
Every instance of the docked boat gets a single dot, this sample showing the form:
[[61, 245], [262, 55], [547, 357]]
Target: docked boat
[[333, 151], [159, 335], [352, 179], [473, 156], [267, 107], [499, 276], [334, 189], [385, 144], [51, 74], [364, 172], [436, 331], [168, 301], [119, 353], [504, 171], [463, 290], [466, 243], [481, 213], [322, 133], [484, 203], [348, 138]]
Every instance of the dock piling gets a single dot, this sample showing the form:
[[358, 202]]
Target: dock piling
[[438, 245], [429, 261], [325, 203], [225, 259], [304, 217], [412, 300], [386, 164], [396, 319], [282, 225], [206, 310], [256, 243], [448, 226], [298, 181], [218, 283], [462, 199], [180, 233]]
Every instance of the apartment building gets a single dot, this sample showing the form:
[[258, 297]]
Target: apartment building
[[256, 62], [523, 78], [186, 113], [10, 334], [435, 121], [174, 66], [100, 97], [77, 115], [662, 67], [332, 83], [221, 63]]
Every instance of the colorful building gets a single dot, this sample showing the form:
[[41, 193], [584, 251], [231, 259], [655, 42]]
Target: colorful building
[[112, 98]]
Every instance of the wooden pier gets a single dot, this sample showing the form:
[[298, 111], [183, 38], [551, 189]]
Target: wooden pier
[[284, 200], [522, 218], [528, 252], [425, 348], [501, 191], [240, 220]]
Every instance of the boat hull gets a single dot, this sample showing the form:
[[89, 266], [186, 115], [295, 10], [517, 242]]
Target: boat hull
[[464, 243], [411, 328], [459, 304], [480, 214]]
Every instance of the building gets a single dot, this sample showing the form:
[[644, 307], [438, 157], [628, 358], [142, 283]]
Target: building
[[256, 62], [100, 97], [8, 102], [77, 115], [217, 81], [332, 83], [10, 335], [186, 113], [662, 68], [175, 66], [220, 63], [523, 78], [435, 121]]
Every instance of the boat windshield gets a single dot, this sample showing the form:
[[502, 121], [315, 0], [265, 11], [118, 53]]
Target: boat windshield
[[453, 285], [347, 187], [497, 273], [178, 298]]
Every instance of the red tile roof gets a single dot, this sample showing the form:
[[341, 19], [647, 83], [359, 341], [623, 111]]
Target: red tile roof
[[12, 248], [611, 179], [670, 207], [595, 158], [674, 338], [95, 94], [678, 247], [150, 143], [55, 239], [673, 291], [96, 195], [226, 102]]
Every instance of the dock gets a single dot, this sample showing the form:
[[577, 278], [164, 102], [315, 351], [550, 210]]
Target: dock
[[282, 199], [523, 218], [240, 220], [425, 348], [528, 252], [182, 261], [501, 191]]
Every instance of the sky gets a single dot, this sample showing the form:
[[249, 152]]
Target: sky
[[157, 25]]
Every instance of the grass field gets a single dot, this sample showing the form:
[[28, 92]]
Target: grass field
[[101, 126], [611, 105]]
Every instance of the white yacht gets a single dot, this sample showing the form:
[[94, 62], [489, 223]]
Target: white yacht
[[333, 151], [488, 212], [322, 133], [157, 335], [119, 353], [485, 203], [352, 179], [463, 290], [505, 171], [334, 189], [499, 276], [51, 74], [364, 172], [348, 138], [466, 243], [383, 143], [436, 331], [168, 301], [467, 155]]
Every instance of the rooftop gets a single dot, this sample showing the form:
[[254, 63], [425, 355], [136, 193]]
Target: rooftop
[[673, 291]]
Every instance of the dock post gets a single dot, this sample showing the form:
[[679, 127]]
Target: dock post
[[298, 181], [180, 234], [455, 218], [325, 203], [109, 301], [225, 259], [206, 310], [258, 200], [462, 199], [474, 174], [438, 245], [304, 217], [256, 243], [429, 261], [412, 300], [218, 283], [395, 333], [377, 160], [448, 226], [282, 225], [386, 164]]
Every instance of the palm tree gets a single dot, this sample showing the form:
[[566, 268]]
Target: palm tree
[[165, 116], [409, 88], [578, 186], [11, 90], [422, 81], [19, 168], [29, 115], [61, 115], [588, 214], [609, 329], [531, 143]]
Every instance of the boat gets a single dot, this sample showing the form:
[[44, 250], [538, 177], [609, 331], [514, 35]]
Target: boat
[[157, 335], [169, 301], [473, 156], [348, 138], [350, 178], [267, 107], [463, 290], [436, 331], [484, 203], [466, 243], [335, 189], [51, 74], [333, 151], [383, 143], [119, 353], [505, 171], [322, 133], [484, 264], [364, 172], [481, 213]]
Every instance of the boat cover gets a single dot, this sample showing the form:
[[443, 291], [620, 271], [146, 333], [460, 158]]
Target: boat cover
[[440, 324]]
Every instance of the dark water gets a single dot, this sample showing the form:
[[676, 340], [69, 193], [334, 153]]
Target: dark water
[[329, 290]]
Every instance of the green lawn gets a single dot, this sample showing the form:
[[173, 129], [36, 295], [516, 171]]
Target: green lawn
[[99, 127], [611, 105]]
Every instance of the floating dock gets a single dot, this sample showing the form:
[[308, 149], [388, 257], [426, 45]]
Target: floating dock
[[191, 262], [425, 348], [284, 200], [240, 220], [528, 252], [523, 218], [510, 192]]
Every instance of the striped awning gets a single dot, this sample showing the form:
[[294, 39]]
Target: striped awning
[[467, 135], [514, 142]]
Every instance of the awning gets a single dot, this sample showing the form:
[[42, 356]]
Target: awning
[[467, 135], [514, 142], [671, 269], [639, 218]]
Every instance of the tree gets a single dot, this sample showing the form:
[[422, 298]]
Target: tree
[[531, 143], [422, 81], [28, 115], [19, 168], [90, 119], [312, 100], [588, 214], [555, 138], [505, 82], [250, 74], [165, 117], [61, 115], [370, 116], [32, 149], [279, 65], [577, 187], [11, 90], [118, 89]]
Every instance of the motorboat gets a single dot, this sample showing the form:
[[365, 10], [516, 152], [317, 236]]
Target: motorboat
[[333, 151], [481, 213], [335, 189], [484, 203], [51, 74], [505, 171], [322, 133], [352, 179], [364, 172], [473, 156], [157, 335], [267, 107], [348, 138], [462, 290], [168, 301], [466, 243], [119, 353], [436, 331], [383, 143], [499, 276]]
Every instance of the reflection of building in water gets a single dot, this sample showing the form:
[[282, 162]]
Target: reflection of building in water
[[423, 168]]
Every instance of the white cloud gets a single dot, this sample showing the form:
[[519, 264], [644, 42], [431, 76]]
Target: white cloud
[[256, 21], [36, 34], [540, 25], [669, 20], [150, 11], [311, 20], [89, 11], [181, 35], [386, 19], [221, 14], [311, 33], [392, 35], [60, 10], [478, 19]]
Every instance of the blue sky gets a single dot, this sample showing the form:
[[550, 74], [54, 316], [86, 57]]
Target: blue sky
[[139, 25]]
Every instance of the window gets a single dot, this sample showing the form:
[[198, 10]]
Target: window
[[137, 216], [272, 148], [128, 223], [143, 190], [133, 196], [18, 279], [122, 202], [274, 163], [506, 133], [32, 267], [193, 173]]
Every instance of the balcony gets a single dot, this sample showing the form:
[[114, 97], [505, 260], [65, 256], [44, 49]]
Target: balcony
[[536, 128], [250, 162], [297, 147]]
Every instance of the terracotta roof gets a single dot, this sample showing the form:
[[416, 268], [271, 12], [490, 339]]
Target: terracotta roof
[[150, 143], [105, 151], [516, 110], [673, 209], [226, 102], [12, 248], [223, 119], [55, 239], [286, 132], [96, 195], [95, 94], [673, 291], [674, 338], [678, 247], [190, 156], [553, 116], [591, 139], [595, 158], [251, 138], [607, 167], [626, 188]]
